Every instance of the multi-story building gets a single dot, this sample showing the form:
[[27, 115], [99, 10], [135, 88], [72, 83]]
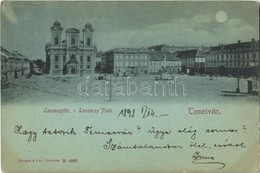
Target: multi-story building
[[193, 61], [126, 61], [14, 64], [71, 55], [161, 61], [241, 58]]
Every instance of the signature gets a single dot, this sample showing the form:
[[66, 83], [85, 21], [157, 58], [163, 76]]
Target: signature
[[197, 158]]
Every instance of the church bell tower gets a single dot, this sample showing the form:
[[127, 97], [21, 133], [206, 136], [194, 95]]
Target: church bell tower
[[88, 35], [56, 31]]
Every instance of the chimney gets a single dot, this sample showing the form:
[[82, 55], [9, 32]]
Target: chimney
[[238, 41], [253, 40]]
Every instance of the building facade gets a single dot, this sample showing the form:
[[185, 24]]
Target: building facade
[[126, 61], [14, 64], [241, 58], [70, 56], [161, 61], [193, 61]]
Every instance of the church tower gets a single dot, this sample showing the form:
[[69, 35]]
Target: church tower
[[56, 31], [88, 35]]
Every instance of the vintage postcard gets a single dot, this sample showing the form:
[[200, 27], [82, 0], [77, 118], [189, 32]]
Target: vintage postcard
[[133, 86]]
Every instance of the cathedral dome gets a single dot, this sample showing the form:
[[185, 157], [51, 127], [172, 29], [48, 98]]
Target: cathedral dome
[[56, 26], [56, 23], [88, 25]]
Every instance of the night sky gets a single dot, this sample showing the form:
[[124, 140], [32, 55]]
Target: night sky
[[25, 26]]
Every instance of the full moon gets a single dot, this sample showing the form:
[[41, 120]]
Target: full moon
[[221, 16]]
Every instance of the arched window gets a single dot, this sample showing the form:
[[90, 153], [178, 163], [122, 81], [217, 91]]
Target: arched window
[[72, 58], [73, 40], [56, 40], [88, 41], [56, 58]]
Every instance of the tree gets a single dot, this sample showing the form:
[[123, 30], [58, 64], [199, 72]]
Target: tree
[[39, 63]]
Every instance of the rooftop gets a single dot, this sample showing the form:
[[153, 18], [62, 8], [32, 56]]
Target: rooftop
[[72, 30], [187, 53], [160, 55], [128, 50], [236, 46]]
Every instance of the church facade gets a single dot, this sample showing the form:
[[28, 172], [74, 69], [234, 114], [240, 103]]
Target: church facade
[[70, 56]]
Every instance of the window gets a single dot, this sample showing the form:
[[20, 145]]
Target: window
[[88, 58], [88, 66], [56, 58], [88, 42], [254, 56], [56, 40], [73, 40], [72, 58], [64, 58], [81, 59], [222, 57], [117, 63], [56, 66], [126, 63]]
